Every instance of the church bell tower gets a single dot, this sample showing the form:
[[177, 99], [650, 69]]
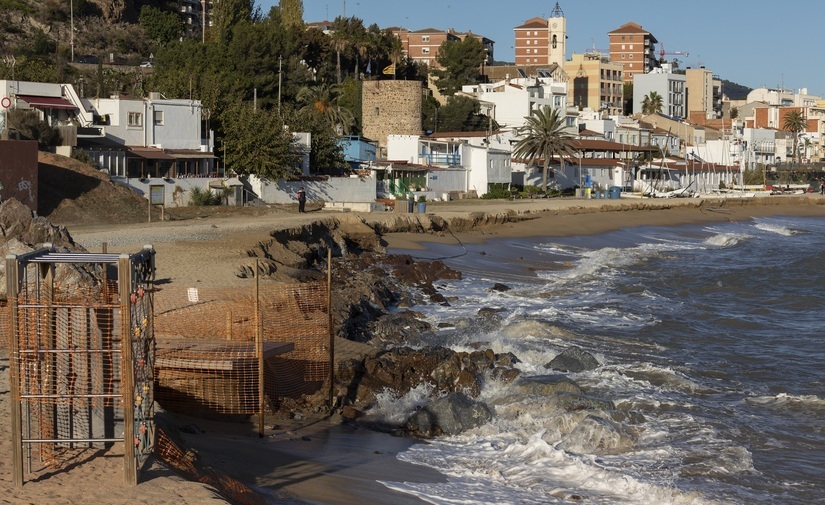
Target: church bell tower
[[557, 34]]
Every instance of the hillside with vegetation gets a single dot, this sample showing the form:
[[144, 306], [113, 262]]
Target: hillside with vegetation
[[259, 75]]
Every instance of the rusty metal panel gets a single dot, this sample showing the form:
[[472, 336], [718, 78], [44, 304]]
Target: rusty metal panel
[[18, 171]]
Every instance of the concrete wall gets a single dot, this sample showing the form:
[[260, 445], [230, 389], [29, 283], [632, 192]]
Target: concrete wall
[[390, 107], [18, 159], [335, 189], [445, 180]]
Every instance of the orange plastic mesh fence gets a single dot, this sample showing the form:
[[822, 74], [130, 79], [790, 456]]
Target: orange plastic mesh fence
[[69, 363], [208, 349], [236, 492]]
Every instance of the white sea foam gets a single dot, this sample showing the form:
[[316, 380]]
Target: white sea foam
[[726, 239], [392, 408], [784, 400], [775, 228]]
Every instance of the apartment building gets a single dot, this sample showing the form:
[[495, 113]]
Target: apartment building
[[542, 41], [596, 83], [670, 86], [531, 47], [704, 93], [633, 47], [423, 45]]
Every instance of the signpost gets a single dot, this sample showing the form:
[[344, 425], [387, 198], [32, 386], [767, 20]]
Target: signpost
[[157, 196]]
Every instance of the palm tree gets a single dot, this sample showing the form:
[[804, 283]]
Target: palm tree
[[795, 122], [323, 100], [544, 136], [652, 103]]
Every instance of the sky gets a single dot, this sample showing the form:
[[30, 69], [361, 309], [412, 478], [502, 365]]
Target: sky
[[757, 43]]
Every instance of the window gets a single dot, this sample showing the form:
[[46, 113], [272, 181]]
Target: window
[[536, 42], [158, 118], [631, 56], [623, 56], [425, 50], [528, 42], [631, 47], [425, 38], [528, 51], [623, 47], [135, 119]]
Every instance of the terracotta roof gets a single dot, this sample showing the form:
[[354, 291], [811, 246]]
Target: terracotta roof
[[533, 23], [607, 146], [429, 30], [632, 28]]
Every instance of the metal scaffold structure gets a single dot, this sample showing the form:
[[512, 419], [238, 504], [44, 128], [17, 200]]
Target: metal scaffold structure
[[81, 357]]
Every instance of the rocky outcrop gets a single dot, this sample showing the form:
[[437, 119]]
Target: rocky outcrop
[[21, 232], [573, 359], [402, 369], [451, 415]]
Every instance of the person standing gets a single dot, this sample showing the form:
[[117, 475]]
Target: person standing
[[302, 200]]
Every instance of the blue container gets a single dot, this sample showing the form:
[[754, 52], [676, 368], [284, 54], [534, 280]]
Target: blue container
[[422, 207], [614, 192], [412, 206]]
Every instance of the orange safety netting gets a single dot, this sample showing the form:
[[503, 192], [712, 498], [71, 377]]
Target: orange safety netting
[[210, 343]]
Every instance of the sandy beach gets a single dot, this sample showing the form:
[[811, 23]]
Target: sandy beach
[[320, 460]]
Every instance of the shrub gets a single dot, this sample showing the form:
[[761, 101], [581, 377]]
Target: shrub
[[202, 197], [497, 191]]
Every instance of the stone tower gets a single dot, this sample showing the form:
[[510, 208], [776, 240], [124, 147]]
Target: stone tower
[[390, 107], [557, 36]]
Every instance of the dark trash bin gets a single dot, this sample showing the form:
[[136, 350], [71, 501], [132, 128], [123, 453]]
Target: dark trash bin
[[614, 192]]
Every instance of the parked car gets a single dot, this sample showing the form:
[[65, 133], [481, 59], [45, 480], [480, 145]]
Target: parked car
[[147, 64]]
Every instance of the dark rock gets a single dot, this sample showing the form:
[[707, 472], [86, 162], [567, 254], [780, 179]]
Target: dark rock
[[573, 359], [505, 375], [546, 385], [450, 415], [506, 359], [597, 435], [500, 287], [402, 369], [490, 313], [574, 401]]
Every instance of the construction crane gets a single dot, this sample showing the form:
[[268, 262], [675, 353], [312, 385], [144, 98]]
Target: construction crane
[[663, 53]]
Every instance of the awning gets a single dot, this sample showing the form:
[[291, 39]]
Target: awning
[[148, 153], [193, 155], [47, 102]]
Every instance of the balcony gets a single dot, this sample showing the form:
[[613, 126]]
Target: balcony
[[441, 159]]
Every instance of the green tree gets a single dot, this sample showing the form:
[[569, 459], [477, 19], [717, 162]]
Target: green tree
[[25, 125], [292, 13], [795, 123], [462, 113], [460, 62], [652, 103], [543, 136], [226, 14], [326, 155], [256, 142], [161, 26], [322, 100]]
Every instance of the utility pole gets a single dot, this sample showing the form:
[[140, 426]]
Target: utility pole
[[279, 85], [203, 21], [71, 17]]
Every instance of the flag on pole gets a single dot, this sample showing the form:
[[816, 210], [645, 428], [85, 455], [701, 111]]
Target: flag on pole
[[389, 69], [369, 66]]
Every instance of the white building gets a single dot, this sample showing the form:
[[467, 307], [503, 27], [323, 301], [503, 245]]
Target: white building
[[511, 100], [461, 161], [670, 86]]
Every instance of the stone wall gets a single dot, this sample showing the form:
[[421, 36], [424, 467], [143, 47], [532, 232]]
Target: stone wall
[[390, 108]]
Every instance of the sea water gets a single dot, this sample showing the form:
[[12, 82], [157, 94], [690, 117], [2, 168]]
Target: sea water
[[710, 339]]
